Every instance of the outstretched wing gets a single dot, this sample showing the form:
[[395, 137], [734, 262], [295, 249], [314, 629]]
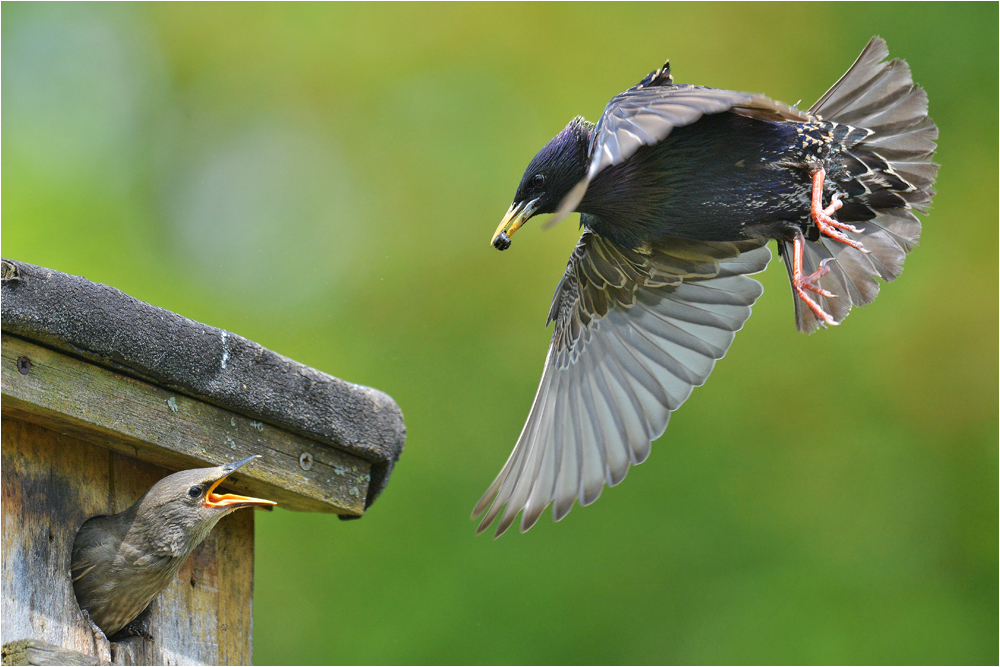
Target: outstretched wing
[[647, 113], [635, 332]]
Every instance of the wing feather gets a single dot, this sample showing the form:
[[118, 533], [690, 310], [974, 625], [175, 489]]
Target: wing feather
[[645, 115], [635, 332]]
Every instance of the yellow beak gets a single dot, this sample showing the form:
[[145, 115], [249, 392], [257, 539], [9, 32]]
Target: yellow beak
[[517, 215]]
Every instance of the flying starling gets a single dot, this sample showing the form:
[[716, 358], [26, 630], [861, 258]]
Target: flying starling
[[679, 189], [121, 562]]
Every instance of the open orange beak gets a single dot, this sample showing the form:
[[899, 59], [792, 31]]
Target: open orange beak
[[232, 500]]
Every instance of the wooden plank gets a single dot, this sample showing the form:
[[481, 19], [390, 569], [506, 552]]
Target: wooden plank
[[45, 500], [174, 431], [51, 484], [235, 553]]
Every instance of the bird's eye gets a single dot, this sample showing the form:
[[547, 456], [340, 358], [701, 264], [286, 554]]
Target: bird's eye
[[194, 491], [538, 180]]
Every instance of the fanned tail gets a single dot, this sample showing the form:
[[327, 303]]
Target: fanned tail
[[886, 171]]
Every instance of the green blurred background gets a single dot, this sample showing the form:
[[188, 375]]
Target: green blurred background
[[324, 179]]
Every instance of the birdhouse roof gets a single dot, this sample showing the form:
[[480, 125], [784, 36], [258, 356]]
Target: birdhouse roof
[[105, 326]]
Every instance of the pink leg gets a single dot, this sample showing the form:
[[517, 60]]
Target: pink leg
[[821, 216], [829, 227], [802, 283]]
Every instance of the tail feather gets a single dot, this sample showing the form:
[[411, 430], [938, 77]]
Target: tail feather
[[887, 172]]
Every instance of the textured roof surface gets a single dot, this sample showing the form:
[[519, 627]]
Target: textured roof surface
[[108, 327]]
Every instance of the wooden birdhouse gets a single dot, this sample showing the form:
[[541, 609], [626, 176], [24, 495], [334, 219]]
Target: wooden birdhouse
[[103, 395]]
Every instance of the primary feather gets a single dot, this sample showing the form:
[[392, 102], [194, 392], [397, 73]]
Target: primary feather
[[680, 187]]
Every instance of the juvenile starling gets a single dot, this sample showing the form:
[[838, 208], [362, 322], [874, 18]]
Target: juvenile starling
[[121, 562], [679, 189]]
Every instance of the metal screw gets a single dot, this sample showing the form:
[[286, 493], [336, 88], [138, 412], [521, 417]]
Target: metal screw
[[306, 461], [23, 365]]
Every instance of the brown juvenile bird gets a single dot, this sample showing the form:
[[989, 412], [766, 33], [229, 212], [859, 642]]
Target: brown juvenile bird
[[121, 562]]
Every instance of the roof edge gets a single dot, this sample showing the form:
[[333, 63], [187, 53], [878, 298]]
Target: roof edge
[[105, 326]]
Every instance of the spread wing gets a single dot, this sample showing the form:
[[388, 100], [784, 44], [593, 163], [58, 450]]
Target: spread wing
[[645, 116], [635, 332], [647, 113]]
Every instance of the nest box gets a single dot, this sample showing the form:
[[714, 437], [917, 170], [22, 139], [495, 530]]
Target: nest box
[[103, 395]]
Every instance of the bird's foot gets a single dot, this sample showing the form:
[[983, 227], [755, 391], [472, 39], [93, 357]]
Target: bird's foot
[[98, 633], [138, 627], [823, 216], [801, 284], [809, 282]]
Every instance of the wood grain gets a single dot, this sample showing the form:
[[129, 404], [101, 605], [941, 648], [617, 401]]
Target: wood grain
[[51, 485], [171, 430], [235, 585], [34, 652]]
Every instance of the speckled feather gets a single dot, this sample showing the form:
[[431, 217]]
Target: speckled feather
[[679, 188]]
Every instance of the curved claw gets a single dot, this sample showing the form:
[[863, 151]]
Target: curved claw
[[821, 216], [801, 283], [809, 282], [835, 204], [820, 272]]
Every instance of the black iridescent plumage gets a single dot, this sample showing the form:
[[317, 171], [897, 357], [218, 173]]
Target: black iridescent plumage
[[680, 188]]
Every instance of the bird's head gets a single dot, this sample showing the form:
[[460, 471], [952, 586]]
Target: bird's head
[[180, 510], [559, 166]]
